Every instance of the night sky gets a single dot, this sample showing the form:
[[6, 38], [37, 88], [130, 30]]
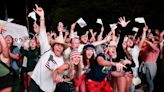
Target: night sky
[[152, 10]]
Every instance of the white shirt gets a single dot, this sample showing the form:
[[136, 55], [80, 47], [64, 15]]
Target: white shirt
[[135, 54], [48, 62]]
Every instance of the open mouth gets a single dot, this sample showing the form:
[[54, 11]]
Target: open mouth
[[113, 52]]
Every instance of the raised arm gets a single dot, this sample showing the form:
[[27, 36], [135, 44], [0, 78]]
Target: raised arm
[[119, 48], [92, 39], [5, 49], [101, 61], [152, 45], [161, 35], [60, 28], [15, 55], [101, 34], [66, 35], [143, 36], [59, 71], [106, 39], [40, 12], [43, 39], [72, 29]]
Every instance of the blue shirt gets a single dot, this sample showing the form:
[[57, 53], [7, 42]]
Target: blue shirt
[[15, 63], [98, 72]]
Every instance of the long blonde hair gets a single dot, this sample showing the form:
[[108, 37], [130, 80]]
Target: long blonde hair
[[72, 68]]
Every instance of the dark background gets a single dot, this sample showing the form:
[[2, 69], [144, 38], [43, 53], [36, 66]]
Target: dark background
[[68, 11]]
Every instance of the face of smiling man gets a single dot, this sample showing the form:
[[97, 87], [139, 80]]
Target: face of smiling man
[[58, 49]]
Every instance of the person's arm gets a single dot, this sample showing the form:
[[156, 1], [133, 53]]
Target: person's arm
[[60, 28], [143, 36], [43, 39], [5, 49], [152, 46], [161, 35], [106, 39], [72, 30], [59, 71], [16, 55], [65, 36], [161, 44], [40, 12], [86, 33], [113, 34], [125, 61], [101, 61], [101, 34], [92, 39], [119, 48], [128, 62]]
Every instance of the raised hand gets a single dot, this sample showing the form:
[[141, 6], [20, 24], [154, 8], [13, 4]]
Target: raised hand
[[2, 28], [53, 34], [123, 22], [39, 10], [102, 28], [58, 79], [60, 27], [87, 32], [73, 26], [145, 28], [108, 37], [119, 66], [126, 61]]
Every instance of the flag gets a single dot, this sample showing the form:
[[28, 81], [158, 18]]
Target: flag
[[99, 21], [140, 20], [32, 15], [81, 22], [135, 29], [113, 26]]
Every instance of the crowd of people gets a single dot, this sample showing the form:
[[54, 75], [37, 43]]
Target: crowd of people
[[67, 62]]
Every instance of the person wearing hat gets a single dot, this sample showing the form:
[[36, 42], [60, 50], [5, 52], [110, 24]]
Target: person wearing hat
[[69, 71], [50, 59], [88, 54]]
